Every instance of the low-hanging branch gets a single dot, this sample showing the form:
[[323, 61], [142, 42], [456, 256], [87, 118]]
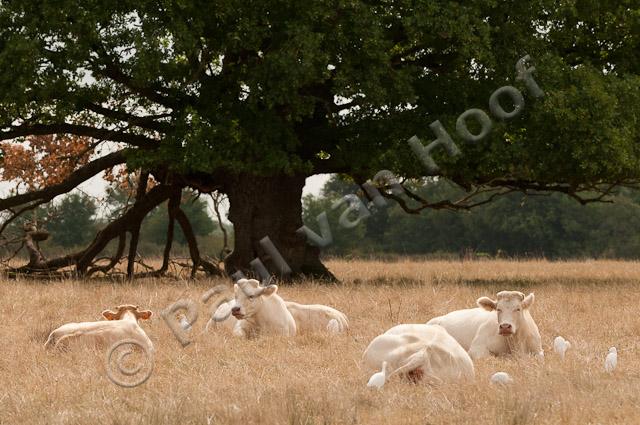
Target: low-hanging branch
[[126, 223], [114, 260], [74, 179], [602, 190], [463, 203], [16, 214], [85, 262], [495, 188]]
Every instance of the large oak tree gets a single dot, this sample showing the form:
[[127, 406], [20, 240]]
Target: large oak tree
[[248, 98]]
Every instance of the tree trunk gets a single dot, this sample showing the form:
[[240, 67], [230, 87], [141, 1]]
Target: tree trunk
[[270, 207]]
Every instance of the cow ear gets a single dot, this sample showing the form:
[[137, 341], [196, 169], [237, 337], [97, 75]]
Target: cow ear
[[528, 300], [110, 315], [486, 303], [144, 314], [269, 290]]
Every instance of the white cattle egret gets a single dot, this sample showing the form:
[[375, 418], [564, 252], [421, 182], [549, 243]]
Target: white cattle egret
[[612, 360], [501, 378], [561, 345], [377, 379]]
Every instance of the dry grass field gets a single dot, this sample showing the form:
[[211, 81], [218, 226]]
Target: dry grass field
[[317, 379]]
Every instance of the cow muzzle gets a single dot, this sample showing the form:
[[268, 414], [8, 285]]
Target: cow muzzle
[[235, 312], [505, 329]]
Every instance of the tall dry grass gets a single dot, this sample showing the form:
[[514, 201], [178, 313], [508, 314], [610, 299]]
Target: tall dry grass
[[317, 379]]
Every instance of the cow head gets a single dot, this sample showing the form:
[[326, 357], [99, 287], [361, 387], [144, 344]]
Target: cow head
[[510, 306], [249, 297], [127, 310]]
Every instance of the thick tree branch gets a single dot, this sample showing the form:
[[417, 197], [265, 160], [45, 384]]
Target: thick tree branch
[[84, 259], [122, 241], [148, 122], [183, 220], [603, 189], [78, 130], [135, 230], [74, 179], [125, 223], [15, 215], [108, 67], [217, 200], [499, 187], [460, 204], [173, 205]]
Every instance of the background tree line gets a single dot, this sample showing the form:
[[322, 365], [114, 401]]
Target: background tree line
[[551, 225], [72, 221]]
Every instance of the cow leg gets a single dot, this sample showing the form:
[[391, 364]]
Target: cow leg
[[56, 337], [239, 329], [534, 346], [63, 341], [478, 348], [478, 352], [51, 341]]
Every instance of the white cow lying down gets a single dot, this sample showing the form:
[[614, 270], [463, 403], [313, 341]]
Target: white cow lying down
[[307, 317], [259, 310], [418, 351], [317, 317], [497, 327], [120, 324]]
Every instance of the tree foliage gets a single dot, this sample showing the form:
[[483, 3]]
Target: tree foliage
[[253, 86], [42, 161], [248, 98]]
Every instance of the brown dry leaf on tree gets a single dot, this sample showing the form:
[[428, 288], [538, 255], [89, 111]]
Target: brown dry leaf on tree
[[43, 161]]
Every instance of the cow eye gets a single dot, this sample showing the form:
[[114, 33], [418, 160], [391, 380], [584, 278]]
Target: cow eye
[[499, 310], [251, 297], [517, 309]]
